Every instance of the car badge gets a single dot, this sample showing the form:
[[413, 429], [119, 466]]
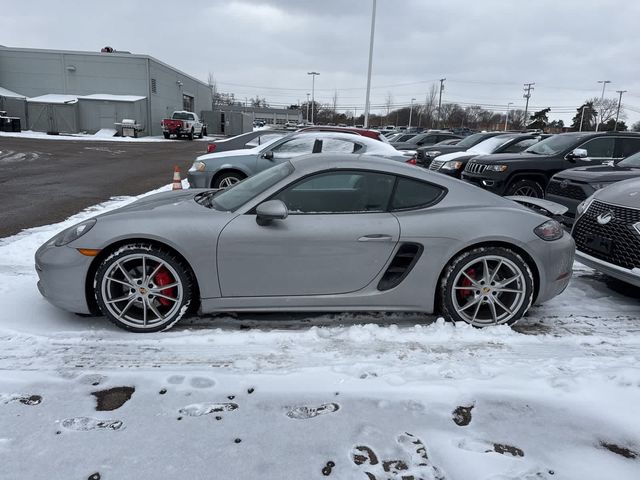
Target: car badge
[[605, 218], [564, 183]]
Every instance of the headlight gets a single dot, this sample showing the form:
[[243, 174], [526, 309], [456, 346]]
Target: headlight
[[452, 165], [496, 168], [198, 167], [434, 153], [73, 233], [598, 186], [549, 230], [584, 206]]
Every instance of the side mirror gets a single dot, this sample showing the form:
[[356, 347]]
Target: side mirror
[[268, 155], [271, 210], [577, 153]]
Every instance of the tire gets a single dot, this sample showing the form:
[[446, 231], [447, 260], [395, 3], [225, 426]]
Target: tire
[[166, 135], [226, 179], [140, 304], [190, 134], [201, 133], [205, 131], [527, 188], [468, 290]]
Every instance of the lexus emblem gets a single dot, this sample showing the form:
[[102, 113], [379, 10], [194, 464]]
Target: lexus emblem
[[605, 218], [564, 183]]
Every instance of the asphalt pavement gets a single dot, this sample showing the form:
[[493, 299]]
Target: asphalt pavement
[[44, 181]]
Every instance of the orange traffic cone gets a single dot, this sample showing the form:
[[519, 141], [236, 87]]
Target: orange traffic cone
[[177, 183]]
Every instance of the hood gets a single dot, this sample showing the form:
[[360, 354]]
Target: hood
[[229, 153], [171, 200], [456, 156], [442, 148], [626, 193], [508, 157], [600, 174]]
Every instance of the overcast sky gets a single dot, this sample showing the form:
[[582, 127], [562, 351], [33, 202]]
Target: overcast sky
[[486, 49]]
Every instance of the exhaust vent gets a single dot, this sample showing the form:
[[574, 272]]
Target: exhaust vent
[[402, 263]]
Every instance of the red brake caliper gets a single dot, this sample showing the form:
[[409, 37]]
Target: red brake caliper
[[463, 294], [163, 277]]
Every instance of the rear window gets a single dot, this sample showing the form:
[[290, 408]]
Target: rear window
[[411, 194]]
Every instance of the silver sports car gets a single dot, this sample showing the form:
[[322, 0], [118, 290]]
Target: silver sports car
[[320, 232]]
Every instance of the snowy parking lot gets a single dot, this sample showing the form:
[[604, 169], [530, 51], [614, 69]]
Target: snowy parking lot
[[344, 396]]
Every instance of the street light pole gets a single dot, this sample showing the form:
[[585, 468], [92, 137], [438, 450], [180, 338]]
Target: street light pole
[[440, 100], [615, 127], [373, 29], [308, 107], [604, 84], [410, 113], [506, 118], [313, 91]]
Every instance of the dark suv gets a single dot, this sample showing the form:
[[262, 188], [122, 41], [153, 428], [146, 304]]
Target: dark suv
[[427, 138], [571, 187], [528, 173], [425, 155]]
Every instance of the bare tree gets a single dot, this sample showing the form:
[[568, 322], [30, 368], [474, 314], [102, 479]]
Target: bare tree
[[213, 86], [430, 106], [607, 108], [516, 119], [334, 104]]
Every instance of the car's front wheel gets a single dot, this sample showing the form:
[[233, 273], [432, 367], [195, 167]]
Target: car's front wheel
[[487, 286], [142, 288], [526, 188], [226, 179]]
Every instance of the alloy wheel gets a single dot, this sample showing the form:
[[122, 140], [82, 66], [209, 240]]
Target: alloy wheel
[[228, 181]]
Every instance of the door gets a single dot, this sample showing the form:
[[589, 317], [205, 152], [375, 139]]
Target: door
[[599, 150], [337, 239]]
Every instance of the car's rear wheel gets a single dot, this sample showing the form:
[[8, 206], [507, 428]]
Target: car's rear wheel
[[526, 188], [227, 179], [487, 286], [142, 288], [166, 135], [201, 134]]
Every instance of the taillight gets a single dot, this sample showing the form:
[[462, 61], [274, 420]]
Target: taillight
[[211, 148], [412, 161]]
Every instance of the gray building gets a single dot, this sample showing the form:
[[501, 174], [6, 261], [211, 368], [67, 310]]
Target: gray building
[[236, 119], [70, 91]]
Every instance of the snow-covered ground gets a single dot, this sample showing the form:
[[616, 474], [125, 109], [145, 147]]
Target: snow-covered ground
[[104, 135], [338, 396]]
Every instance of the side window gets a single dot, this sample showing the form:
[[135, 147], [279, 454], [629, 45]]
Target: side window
[[295, 147], [428, 140], [339, 192], [599, 147], [334, 145], [520, 146], [414, 194], [627, 147], [261, 139]]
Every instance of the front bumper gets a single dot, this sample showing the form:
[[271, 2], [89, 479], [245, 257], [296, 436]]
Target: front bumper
[[493, 185], [199, 179], [62, 273], [624, 274]]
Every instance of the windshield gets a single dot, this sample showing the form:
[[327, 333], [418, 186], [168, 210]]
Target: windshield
[[264, 146], [632, 161], [240, 193], [490, 145], [182, 116], [554, 145], [417, 138], [471, 140]]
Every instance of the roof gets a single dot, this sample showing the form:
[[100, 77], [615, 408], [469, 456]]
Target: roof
[[69, 99], [8, 93]]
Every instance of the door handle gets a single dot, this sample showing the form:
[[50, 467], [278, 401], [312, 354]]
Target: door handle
[[376, 237]]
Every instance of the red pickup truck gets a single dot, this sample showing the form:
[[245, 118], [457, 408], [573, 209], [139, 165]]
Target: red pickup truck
[[183, 124]]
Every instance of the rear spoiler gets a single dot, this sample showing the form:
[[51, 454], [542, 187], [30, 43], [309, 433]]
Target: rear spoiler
[[545, 207]]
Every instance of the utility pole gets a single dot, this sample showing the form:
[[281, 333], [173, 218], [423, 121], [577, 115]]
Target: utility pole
[[308, 107], [313, 91], [604, 84], [373, 29], [506, 117], [582, 116], [615, 126], [410, 113], [355, 115], [440, 100], [527, 94]]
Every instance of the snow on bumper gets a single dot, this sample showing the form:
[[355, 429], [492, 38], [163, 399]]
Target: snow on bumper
[[62, 273]]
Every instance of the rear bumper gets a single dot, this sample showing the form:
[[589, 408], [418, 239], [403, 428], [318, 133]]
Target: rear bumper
[[624, 274], [557, 259]]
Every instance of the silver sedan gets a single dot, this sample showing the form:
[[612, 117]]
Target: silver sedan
[[221, 170], [316, 233]]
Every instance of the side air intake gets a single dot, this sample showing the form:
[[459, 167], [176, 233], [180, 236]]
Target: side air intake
[[402, 263]]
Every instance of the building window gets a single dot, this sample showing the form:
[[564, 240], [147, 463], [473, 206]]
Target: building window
[[187, 103], [154, 86]]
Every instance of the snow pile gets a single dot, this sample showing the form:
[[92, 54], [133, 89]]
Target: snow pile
[[346, 396]]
